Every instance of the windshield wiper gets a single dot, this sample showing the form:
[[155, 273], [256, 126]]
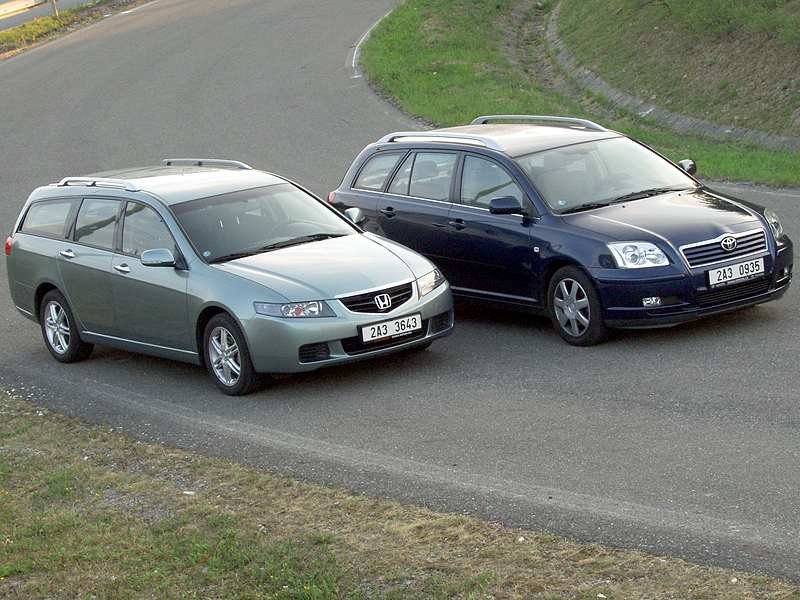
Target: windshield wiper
[[276, 245], [583, 207], [234, 256], [303, 239], [646, 194]]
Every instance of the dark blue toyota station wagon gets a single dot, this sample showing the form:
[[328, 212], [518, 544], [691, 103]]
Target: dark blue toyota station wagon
[[567, 218]]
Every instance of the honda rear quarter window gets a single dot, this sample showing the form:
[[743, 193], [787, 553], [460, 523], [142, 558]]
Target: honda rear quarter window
[[48, 217]]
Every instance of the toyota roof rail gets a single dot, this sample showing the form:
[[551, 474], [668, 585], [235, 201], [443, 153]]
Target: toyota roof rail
[[568, 121], [205, 162], [99, 182], [440, 137]]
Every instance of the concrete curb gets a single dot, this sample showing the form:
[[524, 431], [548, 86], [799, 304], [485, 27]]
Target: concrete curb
[[587, 80]]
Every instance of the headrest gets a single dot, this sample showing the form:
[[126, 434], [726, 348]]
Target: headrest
[[425, 169]]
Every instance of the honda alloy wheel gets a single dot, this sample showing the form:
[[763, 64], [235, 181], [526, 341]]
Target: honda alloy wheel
[[59, 329], [227, 357]]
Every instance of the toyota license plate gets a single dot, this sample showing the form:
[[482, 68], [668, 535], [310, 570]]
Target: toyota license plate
[[737, 272], [391, 329]]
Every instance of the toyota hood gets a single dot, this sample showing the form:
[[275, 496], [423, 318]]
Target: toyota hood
[[325, 269], [680, 217]]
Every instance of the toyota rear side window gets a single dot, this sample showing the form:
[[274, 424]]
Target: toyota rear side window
[[431, 175]]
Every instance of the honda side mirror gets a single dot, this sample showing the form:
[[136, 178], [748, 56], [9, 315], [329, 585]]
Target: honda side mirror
[[688, 165], [158, 257], [355, 215]]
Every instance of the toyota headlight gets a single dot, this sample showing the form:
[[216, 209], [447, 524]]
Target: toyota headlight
[[294, 310], [774, 223], [637, 255], [429, 282]]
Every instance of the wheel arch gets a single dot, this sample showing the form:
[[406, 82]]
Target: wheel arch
[[42, 289], [552, 267], [205, 315]]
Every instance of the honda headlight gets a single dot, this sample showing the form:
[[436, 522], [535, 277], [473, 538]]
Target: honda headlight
[[774, 223], [637, 255], [294, 310], [429, 282]]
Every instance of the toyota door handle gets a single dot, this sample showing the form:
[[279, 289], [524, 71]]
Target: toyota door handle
[[388, 211], [440, 225], [123, 268], [457, 224], [67, 254]]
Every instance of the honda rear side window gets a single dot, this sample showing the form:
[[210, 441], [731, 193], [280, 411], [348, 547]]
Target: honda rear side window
[[374, 173], [97, 220], [47, 218]]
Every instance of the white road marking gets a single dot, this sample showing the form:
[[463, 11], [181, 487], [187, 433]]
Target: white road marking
[[129, 11], [356, 72]]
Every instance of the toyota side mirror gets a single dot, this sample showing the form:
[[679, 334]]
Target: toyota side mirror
[[688, 165], [355, 215], [506, 205], [158, 257]]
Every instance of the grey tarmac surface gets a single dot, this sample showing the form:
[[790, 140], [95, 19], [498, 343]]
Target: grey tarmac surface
[[680, 441]]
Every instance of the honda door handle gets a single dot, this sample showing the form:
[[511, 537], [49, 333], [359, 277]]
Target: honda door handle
[[440, 224], [388, 211], [457, 224], [67, 254], [123, 268]]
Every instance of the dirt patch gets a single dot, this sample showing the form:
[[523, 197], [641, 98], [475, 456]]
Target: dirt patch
[[526, 47]]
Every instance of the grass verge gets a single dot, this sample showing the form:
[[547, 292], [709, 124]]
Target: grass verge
[[739, 65], [447, 62], [87, 512], [16, 39]]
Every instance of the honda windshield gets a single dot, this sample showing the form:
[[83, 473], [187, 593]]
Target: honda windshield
[[247, 222]]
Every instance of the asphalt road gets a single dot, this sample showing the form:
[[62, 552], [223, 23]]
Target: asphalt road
[[681, 441]]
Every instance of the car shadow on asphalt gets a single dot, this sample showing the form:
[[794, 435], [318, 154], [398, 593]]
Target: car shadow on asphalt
[[489, 330]]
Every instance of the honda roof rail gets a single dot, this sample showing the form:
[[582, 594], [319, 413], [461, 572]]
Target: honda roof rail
[[439, 137], [568, 121], [99, 182], [205, 162]]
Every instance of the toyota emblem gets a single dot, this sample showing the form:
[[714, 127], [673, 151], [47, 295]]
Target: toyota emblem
[[729, 243], [383, 301]]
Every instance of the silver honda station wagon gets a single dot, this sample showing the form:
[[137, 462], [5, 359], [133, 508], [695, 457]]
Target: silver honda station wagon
[[215, 263]]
